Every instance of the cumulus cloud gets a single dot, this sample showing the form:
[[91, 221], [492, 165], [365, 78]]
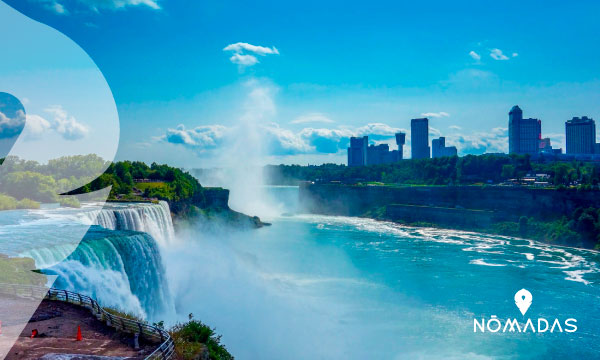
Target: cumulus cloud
[[241, 47], [454, 127], [245, 54], [35, 126], [436, 114], [65, 124], [474, 55], [312, 118], [244, 60], [201, 137], [515, 54], [494, 141], [11, 126], [278, 140], [497, 54], [59, 7]]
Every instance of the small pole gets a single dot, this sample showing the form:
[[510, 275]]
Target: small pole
[[136, 341]]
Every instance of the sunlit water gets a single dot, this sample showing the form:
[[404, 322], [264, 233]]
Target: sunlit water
[[324, 287]]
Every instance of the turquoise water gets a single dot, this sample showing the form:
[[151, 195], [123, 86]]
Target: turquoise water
[[349, 288], [323, 287]]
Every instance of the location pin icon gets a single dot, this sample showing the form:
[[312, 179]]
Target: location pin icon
[[523, 300]]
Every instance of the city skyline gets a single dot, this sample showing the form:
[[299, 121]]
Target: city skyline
[[524, 137], [183, 95]]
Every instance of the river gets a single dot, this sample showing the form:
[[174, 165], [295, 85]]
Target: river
[[339, 288]]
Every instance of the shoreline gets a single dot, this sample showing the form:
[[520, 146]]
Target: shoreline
[[550, 216]]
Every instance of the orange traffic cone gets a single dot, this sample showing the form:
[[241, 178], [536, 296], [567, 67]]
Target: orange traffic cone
[[79, 337]]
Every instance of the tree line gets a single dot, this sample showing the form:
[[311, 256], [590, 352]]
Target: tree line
[[466, 170]]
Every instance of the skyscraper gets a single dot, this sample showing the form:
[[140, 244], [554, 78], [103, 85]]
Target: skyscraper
[[419, 138], [357, 152], [524, 135], [581, 135], [400, 141], [439, 148], [360, 153]]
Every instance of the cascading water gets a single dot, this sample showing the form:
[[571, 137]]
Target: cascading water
[[123, 269], [154, 219], [118, 262]]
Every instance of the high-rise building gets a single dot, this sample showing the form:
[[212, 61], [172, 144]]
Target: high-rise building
[[439, 148], [357, 152], [360, 153], [419, 138], [381, 154], [400, 141], [524, 135], [581, 135]]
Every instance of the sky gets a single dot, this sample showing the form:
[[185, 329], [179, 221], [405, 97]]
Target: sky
[[292, 81]]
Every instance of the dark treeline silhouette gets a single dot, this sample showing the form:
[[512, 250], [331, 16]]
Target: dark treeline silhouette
[[466, 170]]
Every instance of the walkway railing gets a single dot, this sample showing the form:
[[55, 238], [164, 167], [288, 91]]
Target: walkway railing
[[166, 349]]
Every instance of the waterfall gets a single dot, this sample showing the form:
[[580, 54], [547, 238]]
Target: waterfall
[[122, 269], [118, 261], [154, 219]]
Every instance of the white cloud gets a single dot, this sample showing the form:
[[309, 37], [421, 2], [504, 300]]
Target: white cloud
[[454, 127], [497, 54], [241, 47], [474, 55], [494, 141], [312, 118], [436, 114], [11, 126], [244, 60], [58, 6], [201, 137], [434, 132], [278, 140], [515, 54], [244, 54], [35, 126], [66, 124]]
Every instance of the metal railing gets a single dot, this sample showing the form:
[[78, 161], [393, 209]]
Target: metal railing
[[166, 349]]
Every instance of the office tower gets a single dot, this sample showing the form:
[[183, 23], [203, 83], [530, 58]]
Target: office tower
[[581, 135], [523, 134], [419, 138], [400, 141], [357, 152], [439, 148]]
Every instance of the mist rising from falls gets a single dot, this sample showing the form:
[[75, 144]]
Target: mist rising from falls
[[153, 219], [241, 161]]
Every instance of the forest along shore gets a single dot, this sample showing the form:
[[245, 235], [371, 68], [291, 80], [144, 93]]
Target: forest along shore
[[558, 216]]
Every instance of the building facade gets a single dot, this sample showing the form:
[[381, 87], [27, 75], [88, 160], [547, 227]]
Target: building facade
[[439, 148], [581, 135], [357, 152], [419, 138], [360, 153], [524, 135], [400, 141]]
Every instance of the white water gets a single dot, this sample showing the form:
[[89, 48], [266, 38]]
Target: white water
[[118, 262], [153, 219]]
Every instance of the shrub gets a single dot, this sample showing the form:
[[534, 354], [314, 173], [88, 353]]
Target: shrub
[[28, 204], [69, 201], [7, 202], [193, 337]]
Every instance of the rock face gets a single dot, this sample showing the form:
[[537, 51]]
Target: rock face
[[506, 202], [440, 215], [213, 205]]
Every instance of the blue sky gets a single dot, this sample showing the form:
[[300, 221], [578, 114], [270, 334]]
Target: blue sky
[[317, 72]]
